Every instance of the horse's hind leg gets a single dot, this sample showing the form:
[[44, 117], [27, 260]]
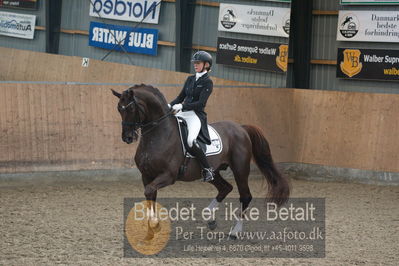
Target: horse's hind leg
[[224, 188], [240, 166]]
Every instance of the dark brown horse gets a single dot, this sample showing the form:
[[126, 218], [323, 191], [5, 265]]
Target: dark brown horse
[[159, 154]]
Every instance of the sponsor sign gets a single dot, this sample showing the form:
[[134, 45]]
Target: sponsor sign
[[128, 10], [252, 54], [369, 2], [17, 25], [368, 26], [261, 20], [21, 4], [374, 64], [114, 37]]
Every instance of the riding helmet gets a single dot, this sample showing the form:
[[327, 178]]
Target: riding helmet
[[202, 56]]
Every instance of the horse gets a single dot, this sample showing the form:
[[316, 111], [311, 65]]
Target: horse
[[159, 153]]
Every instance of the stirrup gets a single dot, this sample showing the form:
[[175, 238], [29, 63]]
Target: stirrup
[[207, 174]]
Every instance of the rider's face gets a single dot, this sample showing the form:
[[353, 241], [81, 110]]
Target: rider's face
[[198, 66]]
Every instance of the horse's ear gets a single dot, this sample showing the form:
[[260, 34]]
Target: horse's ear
[[117, 94]]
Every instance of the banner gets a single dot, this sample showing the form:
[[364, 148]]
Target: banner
[[252, 54], [17, 25], [374, 64], [261, 20], [368, 26], [133, 40], [369, 2], [128, 10], [186, 228], [21, 4]]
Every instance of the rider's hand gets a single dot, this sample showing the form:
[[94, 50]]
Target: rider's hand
[[177, 107], [169, 106]]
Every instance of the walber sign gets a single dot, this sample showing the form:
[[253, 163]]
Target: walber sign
[[368, 26], [17, 25], [252, 54], [374, 64], [113, 37], [261, 20], [128, 10]]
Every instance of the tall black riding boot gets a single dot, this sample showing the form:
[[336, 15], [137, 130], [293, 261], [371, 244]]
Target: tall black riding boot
[[207, 171]]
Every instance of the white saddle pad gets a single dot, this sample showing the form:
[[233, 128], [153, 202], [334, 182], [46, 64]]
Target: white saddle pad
[[216, 146]]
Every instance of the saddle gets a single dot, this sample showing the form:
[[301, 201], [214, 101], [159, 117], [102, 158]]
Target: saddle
[[214, 148]]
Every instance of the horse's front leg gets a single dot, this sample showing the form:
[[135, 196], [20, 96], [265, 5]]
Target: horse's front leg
[[163, 180], [151, 196]]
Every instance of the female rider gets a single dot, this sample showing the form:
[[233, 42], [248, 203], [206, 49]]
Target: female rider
[[190, 105]]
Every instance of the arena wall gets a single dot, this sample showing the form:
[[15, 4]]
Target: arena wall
[[23, 65], [74, 125]]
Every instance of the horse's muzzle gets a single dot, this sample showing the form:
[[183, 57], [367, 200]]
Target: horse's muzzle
[[130, 138]]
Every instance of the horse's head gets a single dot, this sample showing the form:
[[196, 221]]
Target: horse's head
[[132, 114]]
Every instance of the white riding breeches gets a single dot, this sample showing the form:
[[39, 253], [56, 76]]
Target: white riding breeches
[[193, 125]]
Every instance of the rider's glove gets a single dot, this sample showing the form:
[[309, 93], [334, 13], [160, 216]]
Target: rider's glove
[[169, 106], [177, 107]]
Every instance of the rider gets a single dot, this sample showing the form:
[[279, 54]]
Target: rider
[[190, 105]]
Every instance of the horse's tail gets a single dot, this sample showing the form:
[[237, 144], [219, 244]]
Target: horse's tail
[[278, 185]]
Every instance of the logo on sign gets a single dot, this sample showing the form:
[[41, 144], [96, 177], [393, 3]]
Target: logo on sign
[[123, 38], [351, 65], [282, 58], [286, 23], [349, 26], [229, 19], [15, 25], [286, 26], [129, 10]]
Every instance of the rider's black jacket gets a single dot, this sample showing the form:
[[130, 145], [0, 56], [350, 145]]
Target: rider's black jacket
[[194, 96]]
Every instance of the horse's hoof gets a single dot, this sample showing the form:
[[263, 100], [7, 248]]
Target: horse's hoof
[[155, 227], [232, 237], [212, 225]]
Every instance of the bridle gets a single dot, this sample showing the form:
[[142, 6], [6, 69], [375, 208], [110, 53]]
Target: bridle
[[140, 125]]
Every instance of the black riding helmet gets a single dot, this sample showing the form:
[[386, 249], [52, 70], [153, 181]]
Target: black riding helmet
[[202, 56]]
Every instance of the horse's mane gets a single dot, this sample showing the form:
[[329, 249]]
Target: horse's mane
[[151, 89]]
